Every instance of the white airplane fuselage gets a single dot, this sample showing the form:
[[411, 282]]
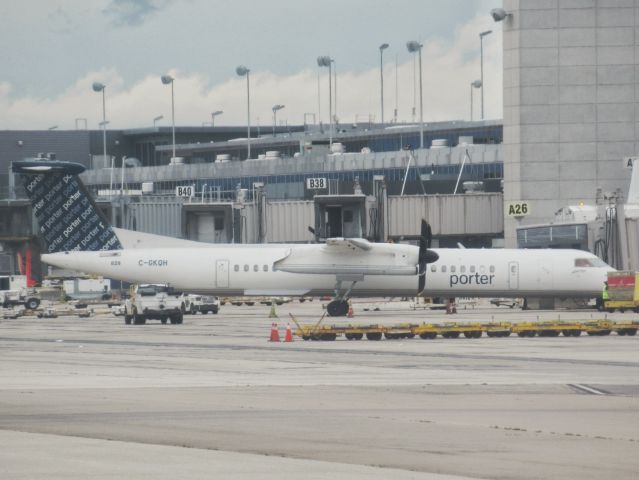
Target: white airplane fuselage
[[313, 269]]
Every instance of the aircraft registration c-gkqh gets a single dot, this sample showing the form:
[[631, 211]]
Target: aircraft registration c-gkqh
[[77, 236]]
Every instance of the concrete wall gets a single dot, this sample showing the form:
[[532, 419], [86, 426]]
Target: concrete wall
[[570, 102]]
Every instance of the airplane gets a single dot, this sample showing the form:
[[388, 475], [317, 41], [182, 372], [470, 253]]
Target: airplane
[[78, 236]]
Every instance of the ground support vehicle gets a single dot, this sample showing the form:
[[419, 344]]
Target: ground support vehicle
[[623, 292], [28, 297], [452, 330], [250, 301], [154, 301]]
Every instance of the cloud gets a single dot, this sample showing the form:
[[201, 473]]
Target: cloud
[[448, 70], [132, 12]]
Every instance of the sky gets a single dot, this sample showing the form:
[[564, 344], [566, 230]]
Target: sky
[[53, 50]]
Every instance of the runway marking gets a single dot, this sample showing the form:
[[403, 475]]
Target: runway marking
[[586, 389]]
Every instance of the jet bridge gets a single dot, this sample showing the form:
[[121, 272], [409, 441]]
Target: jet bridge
[[208, 222], [340, 216]]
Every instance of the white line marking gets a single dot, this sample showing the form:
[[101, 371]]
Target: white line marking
[[587, 389]]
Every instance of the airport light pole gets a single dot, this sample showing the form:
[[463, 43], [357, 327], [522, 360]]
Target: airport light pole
[[475, 84], [325, 61], [166, 79], [241, 71], [481, 53], [334, 92], [275, 109], [100, 87], [215, 114], [413, 47], [157, 119], [382, 47]]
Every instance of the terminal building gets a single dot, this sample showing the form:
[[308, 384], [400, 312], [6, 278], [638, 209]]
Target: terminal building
[[549, 175]]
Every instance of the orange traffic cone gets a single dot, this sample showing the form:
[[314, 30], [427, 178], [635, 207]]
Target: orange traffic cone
[[350, 312], [289, 333], [275, 334]]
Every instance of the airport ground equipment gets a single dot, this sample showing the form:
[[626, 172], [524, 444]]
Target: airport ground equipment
[[28, 297], [201, 303], [623, 292], [154, 301], [252, 300], [451, 330]]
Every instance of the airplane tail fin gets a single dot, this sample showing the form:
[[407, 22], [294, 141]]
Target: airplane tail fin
[[67, 216]]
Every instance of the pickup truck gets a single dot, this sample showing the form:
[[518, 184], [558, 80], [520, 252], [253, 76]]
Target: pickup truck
[[154, 301]]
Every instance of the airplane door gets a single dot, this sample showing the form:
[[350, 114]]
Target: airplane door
[[222, 273], [513, 275]]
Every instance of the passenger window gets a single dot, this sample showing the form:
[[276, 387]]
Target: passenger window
[[433, 268], [482, 269], [246, 268], [443, 268], [236, 268], [256, 268], [265, 268], [462, 269], [492, 269], [452, 269], [472, 269]]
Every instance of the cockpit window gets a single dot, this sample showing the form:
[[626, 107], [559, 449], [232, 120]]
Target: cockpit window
[[589, 262]]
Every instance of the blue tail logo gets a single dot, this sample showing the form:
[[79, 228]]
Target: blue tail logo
[[67, 217]]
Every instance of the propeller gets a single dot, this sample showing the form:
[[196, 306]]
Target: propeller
[[426, 255]]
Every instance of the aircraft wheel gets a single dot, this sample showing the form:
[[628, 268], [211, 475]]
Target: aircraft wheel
[[337, 308]]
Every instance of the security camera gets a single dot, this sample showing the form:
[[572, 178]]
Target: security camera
[[498, 14]]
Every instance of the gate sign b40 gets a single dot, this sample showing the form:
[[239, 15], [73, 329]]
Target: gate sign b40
[[184, 191], [316, 183], [517, 209]]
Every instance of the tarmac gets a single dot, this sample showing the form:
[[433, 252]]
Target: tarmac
[[93, 398]]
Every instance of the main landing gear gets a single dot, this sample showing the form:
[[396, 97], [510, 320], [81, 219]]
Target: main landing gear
[[338, 307]]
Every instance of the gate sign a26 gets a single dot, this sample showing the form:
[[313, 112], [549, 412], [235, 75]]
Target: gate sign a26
[[517, 209]]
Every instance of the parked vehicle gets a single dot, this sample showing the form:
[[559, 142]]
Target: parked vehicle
[[14, 292], [202, 303], [154, 301]]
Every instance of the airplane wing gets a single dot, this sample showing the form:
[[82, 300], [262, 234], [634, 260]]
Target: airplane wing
[[351, 256]]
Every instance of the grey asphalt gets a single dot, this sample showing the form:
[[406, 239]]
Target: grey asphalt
[[93, 398]]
